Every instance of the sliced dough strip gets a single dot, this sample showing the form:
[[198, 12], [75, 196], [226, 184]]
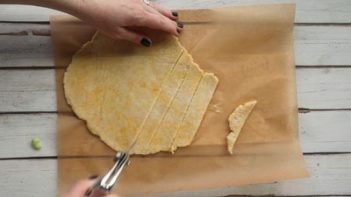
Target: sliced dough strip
[[196, 111], [168, 91], [166, 131]]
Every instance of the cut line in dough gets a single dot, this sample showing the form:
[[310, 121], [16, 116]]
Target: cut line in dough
[[165, 132], [127, 93], [168, 91], [195, 112]]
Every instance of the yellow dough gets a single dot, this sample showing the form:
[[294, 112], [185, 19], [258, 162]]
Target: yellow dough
[[169, 89], [195, 111], [236, 122], [162, 138], [126, 92]]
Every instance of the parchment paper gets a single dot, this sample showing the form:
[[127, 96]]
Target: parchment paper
[[250, 49]]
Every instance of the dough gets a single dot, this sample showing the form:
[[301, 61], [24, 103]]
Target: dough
[[194, 113], [169, 89], [236, 122], [126, 92], [163, 137]]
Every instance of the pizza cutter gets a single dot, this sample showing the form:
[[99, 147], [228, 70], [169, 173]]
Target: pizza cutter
[[104, 185]]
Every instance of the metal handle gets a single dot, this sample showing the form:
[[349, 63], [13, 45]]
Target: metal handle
[[104, 185]]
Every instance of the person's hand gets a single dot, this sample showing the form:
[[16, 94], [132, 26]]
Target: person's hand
[[117, 17], [81, 187]]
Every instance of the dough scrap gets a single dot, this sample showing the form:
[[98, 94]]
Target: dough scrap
[[126, 92], [236, 122]]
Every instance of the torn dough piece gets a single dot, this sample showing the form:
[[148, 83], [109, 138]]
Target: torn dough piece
[[236, 122], [125, 92]]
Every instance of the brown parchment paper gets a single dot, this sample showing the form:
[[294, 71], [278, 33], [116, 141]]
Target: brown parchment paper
[[250, 49]]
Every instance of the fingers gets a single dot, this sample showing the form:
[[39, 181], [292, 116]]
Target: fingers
[[80, 188], [132, 36], [164, 11], [160, 18], [160, 22]]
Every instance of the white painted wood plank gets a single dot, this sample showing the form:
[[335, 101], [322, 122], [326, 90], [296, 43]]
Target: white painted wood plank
[[34, 90], [24, 29], [325, 131], [307, 11], [17, 131], [319, 132], [25, 13], [328, 88], [323, 45], [27, 90], [330, 175], [20, 51], [28, 178], [314, 45]]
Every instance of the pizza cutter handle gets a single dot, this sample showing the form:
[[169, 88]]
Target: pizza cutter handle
[[104, 185]]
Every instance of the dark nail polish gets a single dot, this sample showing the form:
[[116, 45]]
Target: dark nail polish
[[178, 29], [145, 42], [180, 25], [93, 177], [174, 13]]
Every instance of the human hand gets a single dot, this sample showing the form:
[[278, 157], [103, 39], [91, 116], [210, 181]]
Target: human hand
[[116, 18], [80, 188]]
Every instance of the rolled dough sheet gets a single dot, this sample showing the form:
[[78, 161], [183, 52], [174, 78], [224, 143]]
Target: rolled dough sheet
[[163, 136], [168, 91], [113, 84], [236, 122], [195, 112], [127, 93]]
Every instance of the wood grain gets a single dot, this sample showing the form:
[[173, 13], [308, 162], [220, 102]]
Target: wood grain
[[25, 51], [330, 174], [314, 45], [324, 88], [34, 90], [322, 45], [307, 11], [17, 131], [24, 29], [320, 131], [27, 90]]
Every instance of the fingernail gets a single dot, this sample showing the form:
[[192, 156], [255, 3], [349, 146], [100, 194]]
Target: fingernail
[[174, 13], [93, 177], [178, 29], [145, 42], [179, 24]]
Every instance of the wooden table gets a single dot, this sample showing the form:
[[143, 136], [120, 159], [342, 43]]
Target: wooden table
[[323, 69]]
